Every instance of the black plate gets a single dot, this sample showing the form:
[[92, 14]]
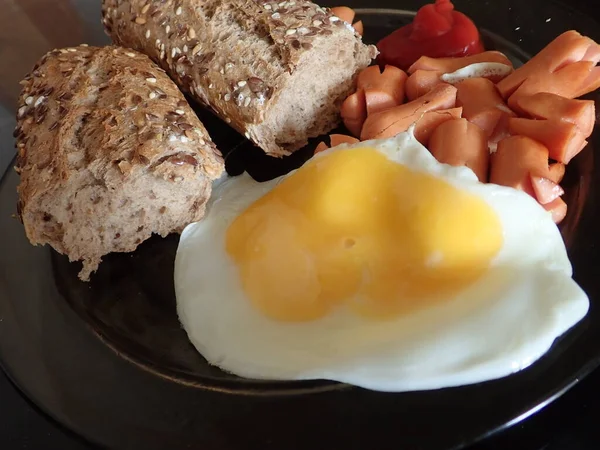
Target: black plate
[[109, 360]]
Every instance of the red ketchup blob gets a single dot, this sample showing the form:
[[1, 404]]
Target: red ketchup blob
[[437, 31]]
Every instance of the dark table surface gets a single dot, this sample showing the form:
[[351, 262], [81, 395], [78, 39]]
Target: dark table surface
[[570, 423]]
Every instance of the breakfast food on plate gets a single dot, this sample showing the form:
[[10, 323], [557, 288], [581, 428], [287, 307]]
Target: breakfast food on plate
[[459, 142], [382, 89], [532, 108], [522, 163], [427, 73], [334, 141], [563, 139], [376, 265], [109, 152], [348, 15], [482, 105], [448, 65], [376, 90], [398, 263], [516, 160], [547, 106], [277, 72], [567, 67], [389, 122], [437, 31]]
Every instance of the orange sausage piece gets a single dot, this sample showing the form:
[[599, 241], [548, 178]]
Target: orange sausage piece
[[571, 81], [398, 119], [482, 104], [344, 13], [590, 84], [348, 15], [499, 133], [563, 139], [461, 143], [428, 123], [335, 140], [447, 65], [376, 91], [321, 147], [392, 80], [378, 100], [556, 172], [544, 105], [545, 190], [593, 51], [516, 158], [354, 112], [558, 208], [568, 48], [421, 82], [369, 77]]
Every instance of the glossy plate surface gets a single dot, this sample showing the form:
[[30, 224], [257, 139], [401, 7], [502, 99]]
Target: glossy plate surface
[[109, 360]]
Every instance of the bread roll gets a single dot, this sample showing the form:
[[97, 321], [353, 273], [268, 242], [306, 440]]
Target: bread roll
[[109, 152], [276, 71]]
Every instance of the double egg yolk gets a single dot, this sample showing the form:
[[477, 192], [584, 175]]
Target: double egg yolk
[[354, 228]]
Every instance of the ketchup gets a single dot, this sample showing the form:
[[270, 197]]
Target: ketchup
[[437, 31]]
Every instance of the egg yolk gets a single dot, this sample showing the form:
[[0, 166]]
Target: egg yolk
[[354, 228]]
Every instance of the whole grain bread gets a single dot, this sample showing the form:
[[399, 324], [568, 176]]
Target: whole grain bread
[[109, 152], [276, 71]]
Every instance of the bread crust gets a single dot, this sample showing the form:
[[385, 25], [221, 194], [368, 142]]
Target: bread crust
[[109, 152], [240, 56]]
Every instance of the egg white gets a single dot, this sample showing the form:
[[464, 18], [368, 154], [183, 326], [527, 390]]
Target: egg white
[[499, 325]]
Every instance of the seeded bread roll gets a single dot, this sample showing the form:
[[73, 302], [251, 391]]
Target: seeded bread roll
[[109, 152], [276, 71]]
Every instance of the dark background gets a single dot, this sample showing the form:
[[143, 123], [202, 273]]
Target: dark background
[[570, 423]]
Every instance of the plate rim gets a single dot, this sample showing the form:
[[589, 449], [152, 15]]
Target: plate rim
[[585, 370]]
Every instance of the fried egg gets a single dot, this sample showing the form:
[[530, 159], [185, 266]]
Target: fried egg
[[375, 265]]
